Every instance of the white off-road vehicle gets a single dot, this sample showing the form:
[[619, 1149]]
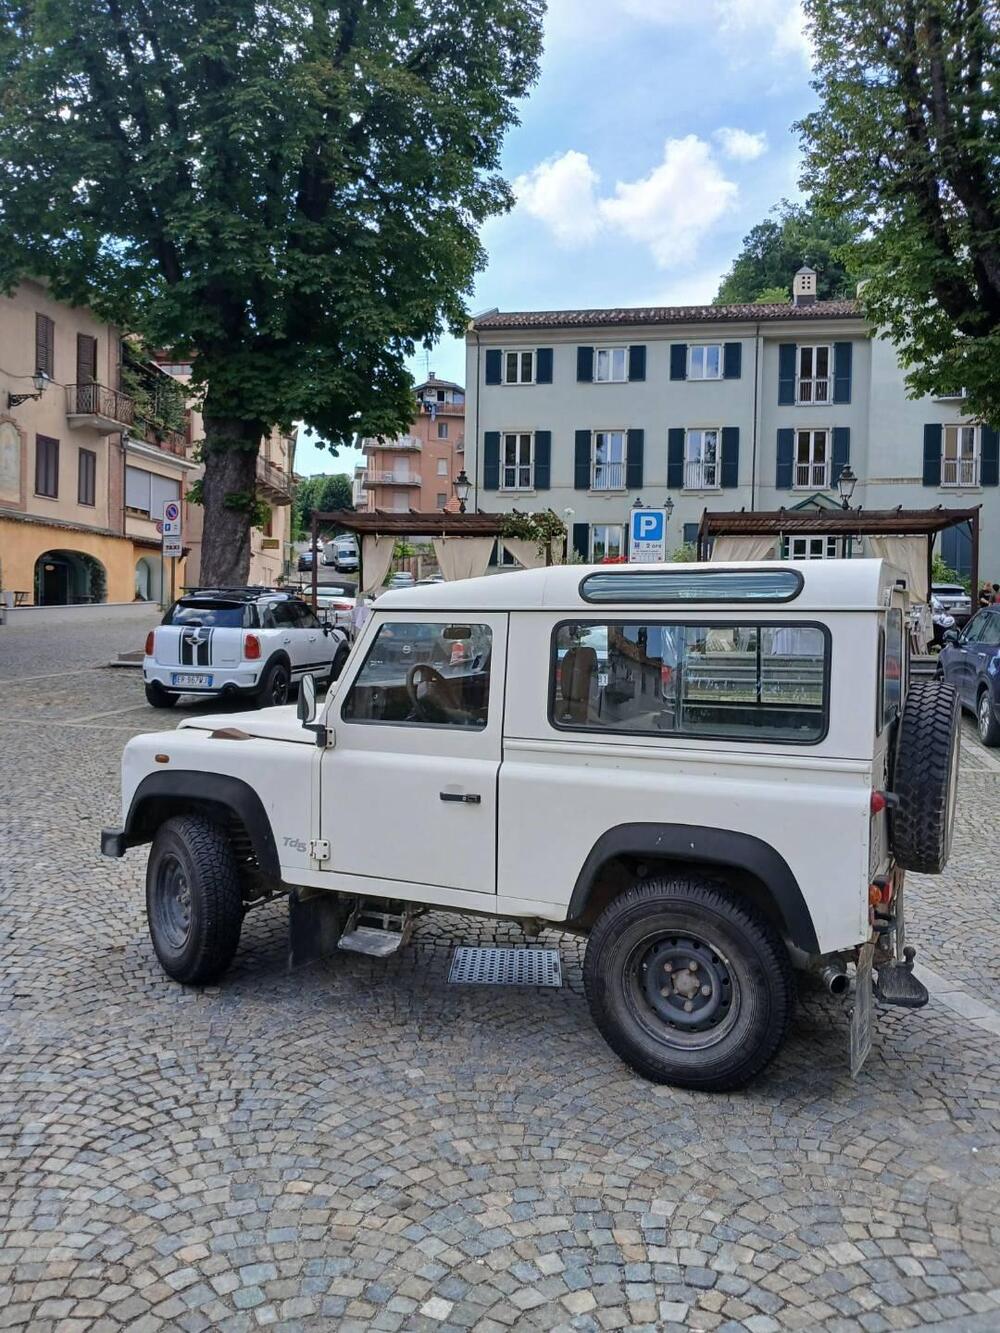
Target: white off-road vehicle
[[716, 773], [255, 642]]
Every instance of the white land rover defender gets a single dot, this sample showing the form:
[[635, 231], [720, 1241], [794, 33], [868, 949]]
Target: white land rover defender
[[715, 772]]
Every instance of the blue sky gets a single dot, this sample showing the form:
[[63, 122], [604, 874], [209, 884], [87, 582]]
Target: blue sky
[[658, 134]]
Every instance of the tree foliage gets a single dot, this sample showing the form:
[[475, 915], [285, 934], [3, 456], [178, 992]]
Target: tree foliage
[[905, 150], [320, 495], [772, 251], [288, 191]]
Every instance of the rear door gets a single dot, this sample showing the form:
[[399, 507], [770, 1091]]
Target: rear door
[[959, 662], [982, 650], [312, 648], [409, 791]]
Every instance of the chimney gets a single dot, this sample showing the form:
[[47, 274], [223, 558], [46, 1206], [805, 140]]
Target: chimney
[[804, 286]]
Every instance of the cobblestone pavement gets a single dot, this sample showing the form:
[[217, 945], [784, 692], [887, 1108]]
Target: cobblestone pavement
[[362, 1146]]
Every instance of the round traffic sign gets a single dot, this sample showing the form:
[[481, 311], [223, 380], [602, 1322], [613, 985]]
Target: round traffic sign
[[159, 526], [171, 511]]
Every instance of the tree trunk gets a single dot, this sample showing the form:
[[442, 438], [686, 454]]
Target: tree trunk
[[230, 449]]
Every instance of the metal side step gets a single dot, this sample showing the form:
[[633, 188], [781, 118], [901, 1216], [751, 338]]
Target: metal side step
[[375, 932]]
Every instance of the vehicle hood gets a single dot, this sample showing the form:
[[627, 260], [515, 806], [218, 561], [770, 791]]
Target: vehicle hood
[[273, 724]]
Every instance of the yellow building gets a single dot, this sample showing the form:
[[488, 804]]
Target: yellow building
[[82, 483]]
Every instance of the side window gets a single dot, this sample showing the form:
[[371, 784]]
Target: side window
[[302, 615], [740, 681], [279, 616], [975, 628], [893, 666], [424, 675]]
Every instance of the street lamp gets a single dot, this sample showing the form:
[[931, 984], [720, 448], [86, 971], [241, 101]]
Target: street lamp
[[669, 507], [462, 486], [846, 483], [39, 380]]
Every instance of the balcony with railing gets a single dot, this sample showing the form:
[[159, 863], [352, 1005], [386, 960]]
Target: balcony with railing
[[410, 442], [273, 484], [392, 479], [962, 471], [99, 408]]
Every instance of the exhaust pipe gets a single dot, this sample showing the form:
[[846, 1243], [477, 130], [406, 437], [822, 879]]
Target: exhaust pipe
[[834, 977]]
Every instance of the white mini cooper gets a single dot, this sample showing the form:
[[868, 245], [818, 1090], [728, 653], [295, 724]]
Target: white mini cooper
[[254, 642]]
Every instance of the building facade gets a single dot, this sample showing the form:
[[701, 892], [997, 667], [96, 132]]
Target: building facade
[[80, 475], [714, 407], [417, 470]]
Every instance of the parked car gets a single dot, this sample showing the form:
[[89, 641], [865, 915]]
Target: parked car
[[336, 602], [942, 620], [653, 815], [254, 642], [305, 560], [401, 579], [970, 660], [954, 599]]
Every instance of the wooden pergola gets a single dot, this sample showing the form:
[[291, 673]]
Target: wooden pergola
[[389, 523], [843, 523]]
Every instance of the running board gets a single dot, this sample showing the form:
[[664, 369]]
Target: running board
[[376, 933]]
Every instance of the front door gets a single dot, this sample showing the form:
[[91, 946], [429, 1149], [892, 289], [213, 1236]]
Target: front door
[[409, 792]]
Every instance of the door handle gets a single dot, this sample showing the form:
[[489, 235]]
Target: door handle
[[468, 797]]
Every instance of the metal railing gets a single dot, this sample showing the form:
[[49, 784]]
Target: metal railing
[[403, 442], [960, 472], [99, 401], [700, 476], [272, 476], [608, 477], [391, 479]]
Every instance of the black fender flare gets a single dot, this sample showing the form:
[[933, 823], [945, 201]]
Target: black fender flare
[[279, 655], [192, 789], [709, 847]]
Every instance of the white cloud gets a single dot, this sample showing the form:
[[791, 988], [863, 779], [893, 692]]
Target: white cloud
[[669, 210], [782, 22], [561, 193], [740, 145]]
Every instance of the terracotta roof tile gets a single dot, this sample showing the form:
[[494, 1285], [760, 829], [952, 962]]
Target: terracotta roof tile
[[669, 314]]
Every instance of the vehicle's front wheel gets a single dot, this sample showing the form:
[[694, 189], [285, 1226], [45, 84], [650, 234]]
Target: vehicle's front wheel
[[689, 985], [340, 657], [158, 696], [193, 899], [986, 719], [274, 687]]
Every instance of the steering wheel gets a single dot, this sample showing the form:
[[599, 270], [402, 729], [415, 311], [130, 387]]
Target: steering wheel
[[423, 677]]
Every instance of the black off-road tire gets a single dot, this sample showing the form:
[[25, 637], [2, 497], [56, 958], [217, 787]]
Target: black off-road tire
[[158, 696], [645, 936], [277, 680], [925, 777], [986, 718], [191, 858], [339, 658]]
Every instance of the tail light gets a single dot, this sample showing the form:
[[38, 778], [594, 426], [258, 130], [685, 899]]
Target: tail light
[[251, 648], [881, 799], [150, 640]]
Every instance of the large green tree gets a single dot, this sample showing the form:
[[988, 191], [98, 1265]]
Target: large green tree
[[905, 148], [321, 495], [287, 190], [793, 235]]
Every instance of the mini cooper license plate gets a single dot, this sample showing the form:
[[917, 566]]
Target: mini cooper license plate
[[183, 678]]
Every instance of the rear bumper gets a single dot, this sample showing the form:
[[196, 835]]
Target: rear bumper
[[225, 680], [113, 842]]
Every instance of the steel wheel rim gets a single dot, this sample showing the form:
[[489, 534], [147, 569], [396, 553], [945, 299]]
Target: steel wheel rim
[[681, 990], [279, 688], [172, 894]]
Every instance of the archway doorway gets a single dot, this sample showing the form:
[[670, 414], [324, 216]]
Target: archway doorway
[[67, 578], [147, 579]]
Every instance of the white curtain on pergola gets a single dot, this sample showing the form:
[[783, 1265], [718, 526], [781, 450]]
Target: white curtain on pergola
[[463, 557], [909, 556], [376, 557], [525, 552], [754, 547]]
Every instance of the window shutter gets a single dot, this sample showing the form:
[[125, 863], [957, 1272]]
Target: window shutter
[[637, 362], [491, 460], [730, 455], [932, 455], [732, 362], [842, 356], [786, 458], [678, 361], [543, 365], [581, 462], [675, 458], [86, 477], [841, 452], [47, 466], [493, 365], [633, 460], [989, 465], [690, 534], [137, 489], [86, 359], [585, 365], [581, 540], [543, 459], [786, 373], [45, 340]]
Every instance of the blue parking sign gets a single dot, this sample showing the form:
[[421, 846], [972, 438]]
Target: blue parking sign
[[647, 536]]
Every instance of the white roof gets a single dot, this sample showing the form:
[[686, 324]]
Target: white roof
[[835, 585]]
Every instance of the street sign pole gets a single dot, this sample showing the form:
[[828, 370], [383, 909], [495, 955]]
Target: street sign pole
[[170, 545]]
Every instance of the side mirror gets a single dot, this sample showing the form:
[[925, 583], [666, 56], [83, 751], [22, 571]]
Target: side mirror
[[951, 636], [306, 707]]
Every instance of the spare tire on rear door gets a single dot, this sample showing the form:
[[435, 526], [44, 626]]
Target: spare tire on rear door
[[925, 777]]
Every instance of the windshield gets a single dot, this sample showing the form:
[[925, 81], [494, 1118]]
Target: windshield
[[228, 615]]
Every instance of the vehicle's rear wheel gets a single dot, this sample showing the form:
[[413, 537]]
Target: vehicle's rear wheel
[[925, 777], [689, 985], [274, 687], [158, 696], [193, 899], [986, 720]]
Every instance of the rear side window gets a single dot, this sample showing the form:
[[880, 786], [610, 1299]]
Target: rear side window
[[424, 675], [893, 666], [701, 585], [743, 681], [219, 615]]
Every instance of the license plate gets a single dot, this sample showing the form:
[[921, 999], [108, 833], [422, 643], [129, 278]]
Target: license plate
[[862, 1015], [196, 682]]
